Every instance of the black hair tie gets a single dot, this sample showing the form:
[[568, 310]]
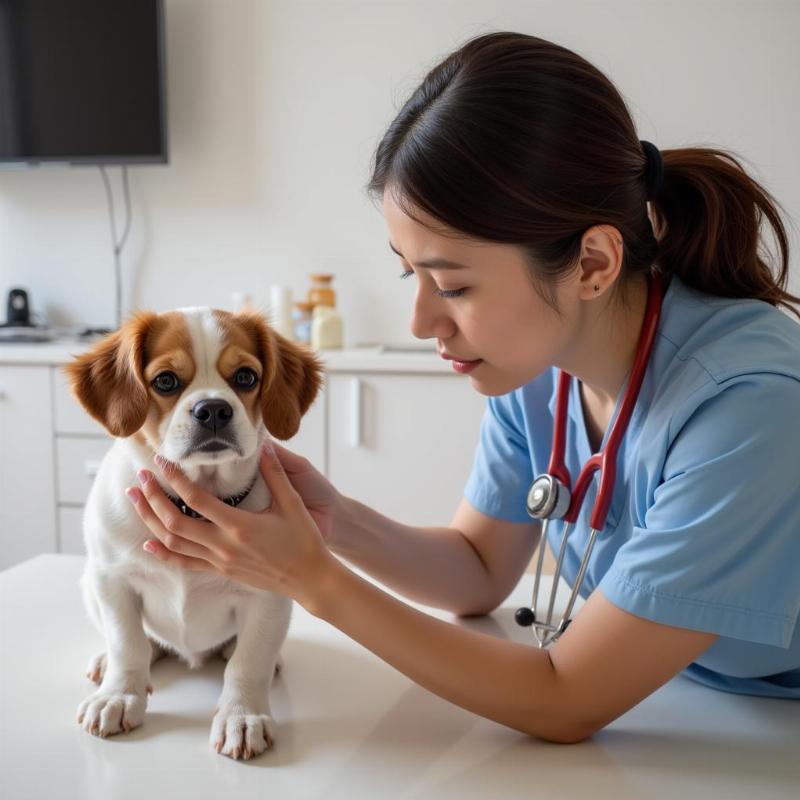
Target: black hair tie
[[654, 169]]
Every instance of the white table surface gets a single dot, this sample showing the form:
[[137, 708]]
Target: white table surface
[[349, 725]]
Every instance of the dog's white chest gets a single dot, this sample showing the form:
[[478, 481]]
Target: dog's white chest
[[191, 612]]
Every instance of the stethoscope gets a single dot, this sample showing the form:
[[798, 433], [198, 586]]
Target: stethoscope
[[550, 494]]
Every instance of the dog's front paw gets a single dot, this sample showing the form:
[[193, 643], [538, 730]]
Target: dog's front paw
[[110, 711], [240, 733], [97, 669]]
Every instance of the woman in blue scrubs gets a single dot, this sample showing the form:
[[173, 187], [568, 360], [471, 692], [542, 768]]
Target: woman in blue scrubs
[[528, 214]]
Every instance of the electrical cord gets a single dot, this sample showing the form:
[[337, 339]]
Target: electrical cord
[[118, 245]]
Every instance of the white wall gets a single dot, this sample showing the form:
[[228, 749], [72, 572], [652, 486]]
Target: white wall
[[275, 107]]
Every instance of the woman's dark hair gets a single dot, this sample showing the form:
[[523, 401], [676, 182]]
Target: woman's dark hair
[[517, 140]]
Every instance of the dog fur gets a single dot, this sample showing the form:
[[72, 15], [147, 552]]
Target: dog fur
[[144, 607]]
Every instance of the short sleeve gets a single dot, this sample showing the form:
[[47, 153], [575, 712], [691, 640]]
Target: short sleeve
[[720, 547], [501, 472]]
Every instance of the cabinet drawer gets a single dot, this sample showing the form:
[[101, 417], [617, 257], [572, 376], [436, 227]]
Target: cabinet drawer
[[70, 417], [77, 461], [70, 531]]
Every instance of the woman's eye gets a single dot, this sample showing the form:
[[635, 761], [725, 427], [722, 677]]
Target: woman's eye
[[165, 382], [436, 289], [245, 378]]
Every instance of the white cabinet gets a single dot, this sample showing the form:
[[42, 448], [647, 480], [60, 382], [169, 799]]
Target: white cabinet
[[70, 530], [27, 507], [70, 417], [309, 441], [77, 461], [403, 444]]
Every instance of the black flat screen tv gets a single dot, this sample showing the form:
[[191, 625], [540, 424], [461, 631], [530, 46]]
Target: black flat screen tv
[[82, 82]]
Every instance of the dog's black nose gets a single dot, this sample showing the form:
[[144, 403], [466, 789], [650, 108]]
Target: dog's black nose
[[213, 414]]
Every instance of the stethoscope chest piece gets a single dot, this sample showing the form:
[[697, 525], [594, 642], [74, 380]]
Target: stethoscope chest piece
[[548, 498]]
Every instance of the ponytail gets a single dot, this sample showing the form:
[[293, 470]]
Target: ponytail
[[707, 216]]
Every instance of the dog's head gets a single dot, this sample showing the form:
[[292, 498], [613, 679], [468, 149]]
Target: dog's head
[[197, 384]]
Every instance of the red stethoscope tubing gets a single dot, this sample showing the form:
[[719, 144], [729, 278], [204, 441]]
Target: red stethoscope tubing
[[606, 460]]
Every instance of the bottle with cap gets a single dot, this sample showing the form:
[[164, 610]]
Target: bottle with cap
[[301, 317], [321, 292], [326, 328]]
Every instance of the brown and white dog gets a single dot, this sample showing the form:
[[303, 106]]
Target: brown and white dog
[[203, 388]]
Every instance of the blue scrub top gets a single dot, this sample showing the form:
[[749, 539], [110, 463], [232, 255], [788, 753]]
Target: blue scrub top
[[703, 530]]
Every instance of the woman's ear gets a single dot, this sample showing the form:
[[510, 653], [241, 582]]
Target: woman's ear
[[108, 380], [292, 378]]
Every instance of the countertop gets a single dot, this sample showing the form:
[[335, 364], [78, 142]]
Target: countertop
[[368, 358], [349, 725]]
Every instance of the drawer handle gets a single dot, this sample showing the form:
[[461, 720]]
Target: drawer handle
[[91, 467], [355, 412]]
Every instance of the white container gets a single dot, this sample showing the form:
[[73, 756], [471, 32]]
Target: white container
[[280, 310], [241, 301], [326, 328]]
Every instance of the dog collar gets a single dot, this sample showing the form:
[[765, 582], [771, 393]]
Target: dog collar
[[233, 500]]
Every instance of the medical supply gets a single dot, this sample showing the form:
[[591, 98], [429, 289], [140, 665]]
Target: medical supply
[[301, 319], [280, 310], [326, 328], [241, 301], [321, 292], [550, 495]]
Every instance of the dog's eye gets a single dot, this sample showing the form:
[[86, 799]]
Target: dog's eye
[[245, 378], [165, 382]]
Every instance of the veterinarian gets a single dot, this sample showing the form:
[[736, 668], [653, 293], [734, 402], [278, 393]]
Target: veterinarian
[[535, 224]]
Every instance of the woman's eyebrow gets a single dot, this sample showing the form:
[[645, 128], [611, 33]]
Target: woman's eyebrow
[[434, 263]]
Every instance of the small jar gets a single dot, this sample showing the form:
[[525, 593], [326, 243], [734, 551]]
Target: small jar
[[321, 293], [326, 328], [301, 317]]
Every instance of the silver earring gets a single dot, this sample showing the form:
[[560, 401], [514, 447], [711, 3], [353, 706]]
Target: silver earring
[[596, 288]]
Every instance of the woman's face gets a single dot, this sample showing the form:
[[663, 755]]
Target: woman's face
[[486, 310]]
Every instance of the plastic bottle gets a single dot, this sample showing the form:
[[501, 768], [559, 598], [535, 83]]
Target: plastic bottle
[[280, 308], [326, 328], [301, 316]]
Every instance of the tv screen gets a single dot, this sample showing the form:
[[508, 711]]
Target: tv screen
[[82, 81]]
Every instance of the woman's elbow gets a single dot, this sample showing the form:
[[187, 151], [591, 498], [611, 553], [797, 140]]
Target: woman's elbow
[[480, 607], [466, 612], [564, 734]]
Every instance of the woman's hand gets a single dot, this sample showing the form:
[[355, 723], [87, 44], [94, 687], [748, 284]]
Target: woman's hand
[[280, 549], [317, 493]]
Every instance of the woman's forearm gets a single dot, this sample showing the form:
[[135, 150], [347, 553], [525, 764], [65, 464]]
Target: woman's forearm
[[437, 567], [508, 682]]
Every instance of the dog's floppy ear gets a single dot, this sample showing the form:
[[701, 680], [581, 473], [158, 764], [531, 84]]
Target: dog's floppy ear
[[292, 377], [108, 380], [296, 377]]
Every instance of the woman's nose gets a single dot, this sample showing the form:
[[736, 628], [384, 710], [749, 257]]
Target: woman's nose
[[430, 318]]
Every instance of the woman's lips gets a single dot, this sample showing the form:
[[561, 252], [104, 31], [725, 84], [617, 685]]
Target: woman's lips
[[460, 366], [466, 366]]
